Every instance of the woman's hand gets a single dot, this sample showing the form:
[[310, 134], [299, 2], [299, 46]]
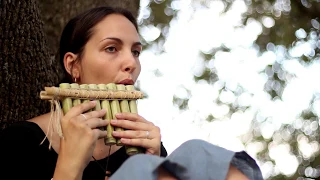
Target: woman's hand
[[140, 132], [80, 134]]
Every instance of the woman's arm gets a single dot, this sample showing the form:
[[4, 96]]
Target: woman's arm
[[80, 134], [67, 170]]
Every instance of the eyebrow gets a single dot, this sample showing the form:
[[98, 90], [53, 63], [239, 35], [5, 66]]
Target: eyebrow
[[120, 41]]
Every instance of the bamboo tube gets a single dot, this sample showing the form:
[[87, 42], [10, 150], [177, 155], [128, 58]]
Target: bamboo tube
[[115, 107], [84, 86], [98, 106], [132, 103], [124, 106], [105, 104], [133, 109], [94, 86], [75, 101], [66, 102]]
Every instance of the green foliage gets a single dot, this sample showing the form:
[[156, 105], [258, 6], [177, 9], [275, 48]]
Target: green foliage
[[160, 17], [285, 25]]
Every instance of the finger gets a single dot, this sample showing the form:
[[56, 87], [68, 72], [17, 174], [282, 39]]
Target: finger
[[126, 124], [146, 143], [133, 134], [95, 123], [94, 114], [80, 108], [132, 117], [99, 134]]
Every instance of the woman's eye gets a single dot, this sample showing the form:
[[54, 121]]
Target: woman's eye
[[136, 53], [110, 49]]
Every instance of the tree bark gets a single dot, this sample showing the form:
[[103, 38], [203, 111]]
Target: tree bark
[[27, 46], [24, 60]]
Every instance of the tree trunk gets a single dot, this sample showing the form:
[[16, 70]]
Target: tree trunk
[[26, 58]]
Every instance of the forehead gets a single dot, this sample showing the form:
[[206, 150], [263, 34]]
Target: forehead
[[115, 25]]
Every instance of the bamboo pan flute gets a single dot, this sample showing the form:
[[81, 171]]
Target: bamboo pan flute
[[113, 97]]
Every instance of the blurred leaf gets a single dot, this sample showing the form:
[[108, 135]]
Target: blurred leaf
[[210, 118], [181, 103]]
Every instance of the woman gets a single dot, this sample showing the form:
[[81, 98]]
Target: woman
[[98, 46], [102, 46]]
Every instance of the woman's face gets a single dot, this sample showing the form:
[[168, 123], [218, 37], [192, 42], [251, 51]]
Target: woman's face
[[112, 53]]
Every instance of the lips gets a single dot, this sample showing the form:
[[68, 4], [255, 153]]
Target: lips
[[126, 82]]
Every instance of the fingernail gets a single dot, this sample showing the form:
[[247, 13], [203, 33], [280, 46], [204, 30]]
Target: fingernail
[[118, 115], [114, 121], [115, 133], [93, 102], [103, 110]]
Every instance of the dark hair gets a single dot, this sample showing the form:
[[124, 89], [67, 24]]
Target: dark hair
[[78, 31]]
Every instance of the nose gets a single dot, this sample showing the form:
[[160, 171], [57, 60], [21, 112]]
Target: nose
[[129, 62]]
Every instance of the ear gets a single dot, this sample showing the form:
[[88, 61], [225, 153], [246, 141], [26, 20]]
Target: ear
[[71, 65]]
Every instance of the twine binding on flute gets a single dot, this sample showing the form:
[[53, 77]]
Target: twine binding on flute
[[55, 118]]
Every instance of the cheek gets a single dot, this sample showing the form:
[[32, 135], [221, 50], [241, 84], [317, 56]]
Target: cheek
[[97, 71], [94, 62], [137, 71], [104, 70]]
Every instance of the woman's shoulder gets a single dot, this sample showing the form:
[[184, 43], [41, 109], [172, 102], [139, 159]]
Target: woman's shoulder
[[23, 126], [22, 131], [21, 144]]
